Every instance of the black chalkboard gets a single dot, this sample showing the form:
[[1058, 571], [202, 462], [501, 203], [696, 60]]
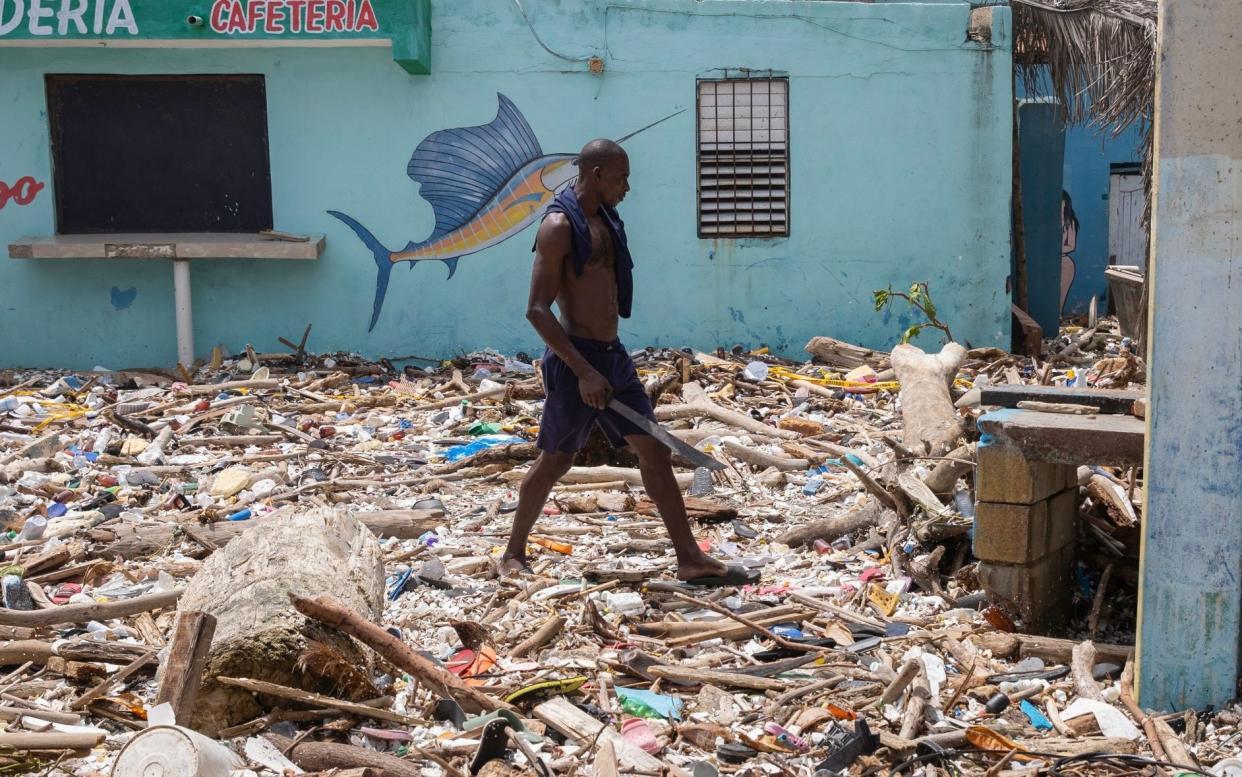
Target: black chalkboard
[[159, 153]]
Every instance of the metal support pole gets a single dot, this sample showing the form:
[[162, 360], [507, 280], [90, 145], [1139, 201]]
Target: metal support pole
[[185, 313]]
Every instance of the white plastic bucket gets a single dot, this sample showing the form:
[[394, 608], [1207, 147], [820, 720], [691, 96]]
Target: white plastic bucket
[[173, 751]]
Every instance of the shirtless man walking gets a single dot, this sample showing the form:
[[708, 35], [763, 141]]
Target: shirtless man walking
[[582, 262]]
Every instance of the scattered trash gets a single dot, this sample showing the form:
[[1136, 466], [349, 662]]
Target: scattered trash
[[851, 615]]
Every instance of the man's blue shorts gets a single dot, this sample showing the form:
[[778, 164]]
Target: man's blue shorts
[[567, 419]]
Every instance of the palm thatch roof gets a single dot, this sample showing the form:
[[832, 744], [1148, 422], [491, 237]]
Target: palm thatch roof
[[1100, 60], [1100, 55]]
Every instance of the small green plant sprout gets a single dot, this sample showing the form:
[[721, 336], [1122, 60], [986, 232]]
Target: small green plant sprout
[[919, 297]]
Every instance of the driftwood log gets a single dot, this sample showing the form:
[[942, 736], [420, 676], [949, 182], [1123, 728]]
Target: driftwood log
[[930, 420], [330, 755], [136, 541], [259, 635], [698, 405], [1016, 646], [862, 516], [958, 463], [337, 615], [838, 353]]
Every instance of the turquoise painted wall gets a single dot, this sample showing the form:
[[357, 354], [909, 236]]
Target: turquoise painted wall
[[900, 135], [1089, 154]]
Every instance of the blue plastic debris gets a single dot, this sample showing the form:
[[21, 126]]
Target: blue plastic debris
[[399, 585], [483, 443], [787, 631], [1035, 716], [663, 706]]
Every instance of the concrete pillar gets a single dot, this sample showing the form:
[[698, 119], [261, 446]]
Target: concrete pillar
[[1191, 585]]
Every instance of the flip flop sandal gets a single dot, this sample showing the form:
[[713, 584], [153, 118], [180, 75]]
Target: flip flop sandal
[[492, 745], [450, 711], [736, 577], [638, 733], [545, 689]]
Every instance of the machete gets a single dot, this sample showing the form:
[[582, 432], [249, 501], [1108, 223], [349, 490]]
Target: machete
[[696, 457]]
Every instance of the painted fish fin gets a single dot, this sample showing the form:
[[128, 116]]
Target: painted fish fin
[[452, 265], [383, 262], [461, 169]]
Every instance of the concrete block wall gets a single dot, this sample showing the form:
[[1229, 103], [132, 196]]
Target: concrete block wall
[[1024, 533]]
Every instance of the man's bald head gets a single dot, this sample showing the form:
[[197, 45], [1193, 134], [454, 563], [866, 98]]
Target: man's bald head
[[600, 153], [604, 171]]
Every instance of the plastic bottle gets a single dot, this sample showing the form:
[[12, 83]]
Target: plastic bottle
[[964, 503], [33, 528]]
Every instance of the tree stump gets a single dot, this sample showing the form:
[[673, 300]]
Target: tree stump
[[930, 421], [259, 635]]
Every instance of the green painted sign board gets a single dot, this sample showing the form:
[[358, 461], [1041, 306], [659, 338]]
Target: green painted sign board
[[406, 23]]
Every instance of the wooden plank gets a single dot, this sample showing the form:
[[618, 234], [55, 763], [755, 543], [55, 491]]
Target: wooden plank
[[580, 728], [1107, 400], [186, 658], [1057, 438]]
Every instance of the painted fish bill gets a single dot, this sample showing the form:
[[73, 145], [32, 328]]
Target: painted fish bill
[[696, 457]]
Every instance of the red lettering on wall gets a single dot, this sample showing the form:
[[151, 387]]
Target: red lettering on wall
[[217, 15], [366, 17], [237, 18], [275, 17], [334, 16], [314, 16], [253, 13], [23, 192], [296, 9]]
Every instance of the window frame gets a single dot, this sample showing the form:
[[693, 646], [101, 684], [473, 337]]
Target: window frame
[[751, 77], [54, 81]]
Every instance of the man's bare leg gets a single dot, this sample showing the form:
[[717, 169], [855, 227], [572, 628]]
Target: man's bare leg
[[655, 462], [550, 467]]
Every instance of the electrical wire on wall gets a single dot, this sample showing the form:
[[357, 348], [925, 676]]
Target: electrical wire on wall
[[557, 54]]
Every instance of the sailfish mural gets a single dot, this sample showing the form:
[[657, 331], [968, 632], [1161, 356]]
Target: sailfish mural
[[485, 184]]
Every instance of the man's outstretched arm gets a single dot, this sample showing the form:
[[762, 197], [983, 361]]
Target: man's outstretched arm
[[552, 248]]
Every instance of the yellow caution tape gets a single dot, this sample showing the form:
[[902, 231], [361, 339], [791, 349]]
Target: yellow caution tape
[[884, 385], [786, 374]]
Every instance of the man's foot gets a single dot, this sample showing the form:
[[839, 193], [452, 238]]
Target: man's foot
[[710, 573], [512, 565], [703, 566]]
